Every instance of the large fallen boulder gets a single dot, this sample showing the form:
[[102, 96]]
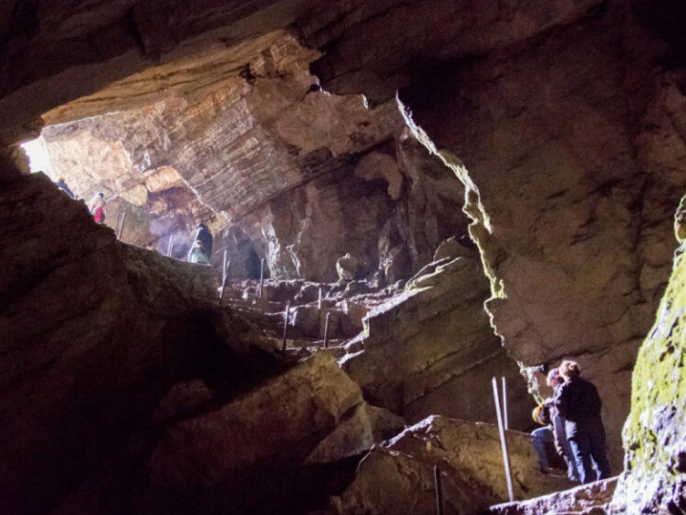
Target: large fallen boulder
[[398, 477], [311, 414]]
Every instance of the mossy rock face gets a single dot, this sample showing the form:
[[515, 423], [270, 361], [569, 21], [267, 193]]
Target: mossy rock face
[[655, 432], [680, 221]]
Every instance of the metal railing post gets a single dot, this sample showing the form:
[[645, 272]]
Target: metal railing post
[[326, 331], [261, 277], [226, 276], [121, 226], [505, 418], [285, 327], [439, 490], [503, 441]]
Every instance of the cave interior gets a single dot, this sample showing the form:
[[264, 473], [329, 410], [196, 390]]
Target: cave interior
[[411, 203]]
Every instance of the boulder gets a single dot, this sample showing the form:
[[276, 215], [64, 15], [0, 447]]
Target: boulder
[[398, 477], [312, 413]]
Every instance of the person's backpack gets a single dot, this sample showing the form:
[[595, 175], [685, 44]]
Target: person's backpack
[[541, 414]]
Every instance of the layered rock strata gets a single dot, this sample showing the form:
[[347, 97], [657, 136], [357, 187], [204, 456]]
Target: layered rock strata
[[571, 191], [431, 350], [277, 162]]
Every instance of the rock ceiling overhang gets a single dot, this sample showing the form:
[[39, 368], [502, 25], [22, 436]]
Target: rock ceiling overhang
[[125, 53], [113, 53]]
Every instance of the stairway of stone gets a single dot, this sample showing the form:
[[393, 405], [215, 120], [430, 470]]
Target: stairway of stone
[[307, 318], [590, 499]]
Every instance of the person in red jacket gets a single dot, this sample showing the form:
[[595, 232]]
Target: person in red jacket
[[579, 403], [97, 207]]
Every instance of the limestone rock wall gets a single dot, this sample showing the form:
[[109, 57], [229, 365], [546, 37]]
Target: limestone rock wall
[[564, 121], [569, 139], [92, 334], [431, 350], [654, 435]]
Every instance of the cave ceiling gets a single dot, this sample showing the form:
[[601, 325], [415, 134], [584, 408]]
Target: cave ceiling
[[126, 52]]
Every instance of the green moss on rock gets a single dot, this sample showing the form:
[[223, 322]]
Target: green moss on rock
[[655, 433]]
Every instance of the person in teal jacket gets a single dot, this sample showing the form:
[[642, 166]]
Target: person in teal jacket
[[197, 254]]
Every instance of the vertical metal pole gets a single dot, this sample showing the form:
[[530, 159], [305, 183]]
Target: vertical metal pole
[[285, 327], [505, 421], [120, 224], [123, 221], [226, 276], [261, 277], [319, 305], [439, 490], [224, 271], [170, 247], [326, 331], [503, 442]]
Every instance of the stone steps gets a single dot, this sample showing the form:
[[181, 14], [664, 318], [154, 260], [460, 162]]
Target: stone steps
[[590, 499]]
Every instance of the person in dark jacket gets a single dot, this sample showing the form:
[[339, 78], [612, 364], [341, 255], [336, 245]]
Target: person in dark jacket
[[579, 403], [203, 234], [61, 184], [554, 431]]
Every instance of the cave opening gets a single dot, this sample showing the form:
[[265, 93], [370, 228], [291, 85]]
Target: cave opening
[[406, 200], [268, 162]]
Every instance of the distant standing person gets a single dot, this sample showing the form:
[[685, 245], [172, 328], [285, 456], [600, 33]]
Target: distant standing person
[[61, 184], [579, 403], [346, 267], [205, 236], [197, 254], [97, 207]]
